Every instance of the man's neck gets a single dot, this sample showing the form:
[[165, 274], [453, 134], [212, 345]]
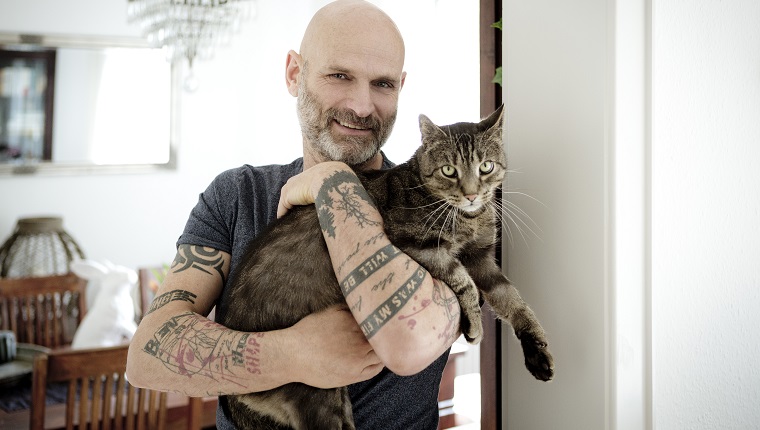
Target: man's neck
[[375, 163]]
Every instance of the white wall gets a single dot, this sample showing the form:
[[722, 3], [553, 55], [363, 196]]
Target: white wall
[[706, 214], [635, 122], [241, 113]]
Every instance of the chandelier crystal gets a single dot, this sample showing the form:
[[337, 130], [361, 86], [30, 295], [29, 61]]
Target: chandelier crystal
[[188, 28]]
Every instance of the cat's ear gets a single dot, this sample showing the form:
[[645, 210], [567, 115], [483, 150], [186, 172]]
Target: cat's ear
[[496, 119], [428, 129]]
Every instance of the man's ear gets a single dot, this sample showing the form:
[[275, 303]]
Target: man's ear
[[293, 72], [403, 79]]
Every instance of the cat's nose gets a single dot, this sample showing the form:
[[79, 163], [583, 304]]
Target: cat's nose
[[471, 197]]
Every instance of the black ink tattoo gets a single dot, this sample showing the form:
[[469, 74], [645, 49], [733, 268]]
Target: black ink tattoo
[[342, 191], [358, 305], [198, 257], [393, 304], [171, 296], [371, 241], [369, 266], [190, 345], [385, 281]]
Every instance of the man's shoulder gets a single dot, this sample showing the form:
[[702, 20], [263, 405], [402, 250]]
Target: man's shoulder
[[268, 175]]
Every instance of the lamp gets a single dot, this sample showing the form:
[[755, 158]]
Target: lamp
[[187, 28], [38, 247]]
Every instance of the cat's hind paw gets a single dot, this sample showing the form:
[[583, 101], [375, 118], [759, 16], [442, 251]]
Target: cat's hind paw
[[538, 359]]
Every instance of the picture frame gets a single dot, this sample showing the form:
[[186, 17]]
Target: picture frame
[[27, 88]]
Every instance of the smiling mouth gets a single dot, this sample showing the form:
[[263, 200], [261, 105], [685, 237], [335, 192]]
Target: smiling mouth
[[352, 126]]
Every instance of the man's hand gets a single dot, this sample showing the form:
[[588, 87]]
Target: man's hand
[[302, 189], [334, 352]]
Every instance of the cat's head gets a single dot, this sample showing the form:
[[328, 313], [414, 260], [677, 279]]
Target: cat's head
[[463, 163]]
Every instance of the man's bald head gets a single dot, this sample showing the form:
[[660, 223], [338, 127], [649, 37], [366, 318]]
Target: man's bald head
[[349, 20]]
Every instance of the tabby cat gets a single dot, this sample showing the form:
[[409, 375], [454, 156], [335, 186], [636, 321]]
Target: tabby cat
[[439, 209]]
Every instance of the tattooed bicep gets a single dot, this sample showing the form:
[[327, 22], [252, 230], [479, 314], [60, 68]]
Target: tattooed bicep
[[194, 257]]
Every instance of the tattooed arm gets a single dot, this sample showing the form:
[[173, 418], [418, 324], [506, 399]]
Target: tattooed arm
[[175, 348], [407, 316]]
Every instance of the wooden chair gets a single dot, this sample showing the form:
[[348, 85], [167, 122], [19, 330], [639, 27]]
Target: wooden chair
[[43, 310], [106, 399]]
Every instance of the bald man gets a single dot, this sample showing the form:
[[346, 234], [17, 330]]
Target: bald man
[[347, 77]]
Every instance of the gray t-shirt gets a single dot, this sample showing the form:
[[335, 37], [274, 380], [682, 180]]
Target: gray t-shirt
[[233, 210]]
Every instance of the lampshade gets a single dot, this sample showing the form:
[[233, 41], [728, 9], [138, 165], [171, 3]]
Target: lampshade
[[38, 247]]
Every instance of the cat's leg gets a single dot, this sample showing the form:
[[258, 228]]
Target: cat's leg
[[510, 307], [442, 266], [507, 304]]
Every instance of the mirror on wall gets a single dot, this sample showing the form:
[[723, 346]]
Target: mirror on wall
[[72, 105]]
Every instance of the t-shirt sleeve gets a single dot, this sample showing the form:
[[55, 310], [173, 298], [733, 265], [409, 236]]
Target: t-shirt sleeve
[[210, 222]]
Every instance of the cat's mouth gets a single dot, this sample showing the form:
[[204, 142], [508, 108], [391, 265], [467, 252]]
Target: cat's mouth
[[471, 207]]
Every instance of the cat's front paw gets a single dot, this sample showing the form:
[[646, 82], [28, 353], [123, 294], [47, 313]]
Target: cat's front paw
[[472, 328], [538, 359]]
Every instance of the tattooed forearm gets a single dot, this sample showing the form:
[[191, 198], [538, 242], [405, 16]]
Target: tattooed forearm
[[441, 299], [388, 309], [171, 296], [445, 299], [368, 267], [371, 241], [383, 282], [208, 260], [342, 192], [191, 345]]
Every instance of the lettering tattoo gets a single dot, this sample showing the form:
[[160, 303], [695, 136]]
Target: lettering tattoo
[[342, 192], [368, 267], [205, 259], [171, 296], [391, 307], [191, 345], [371, 241]]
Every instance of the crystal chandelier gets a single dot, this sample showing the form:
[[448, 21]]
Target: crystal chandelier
[[188, 28]]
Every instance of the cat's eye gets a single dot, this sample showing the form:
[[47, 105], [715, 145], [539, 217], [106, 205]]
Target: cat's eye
[[486, 167], [449, 171]]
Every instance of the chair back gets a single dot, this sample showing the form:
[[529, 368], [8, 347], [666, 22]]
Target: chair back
[[43, 310], [98, 394]]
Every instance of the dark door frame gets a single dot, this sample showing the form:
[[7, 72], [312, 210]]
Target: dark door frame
[[490, 99]]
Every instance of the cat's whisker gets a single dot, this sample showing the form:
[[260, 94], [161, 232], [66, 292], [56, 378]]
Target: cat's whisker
[[453, 215], [442, 209], [423, 206], [517, 226], [524, 214], [513, 214], [432, 213], [520, 193], [415, 187]]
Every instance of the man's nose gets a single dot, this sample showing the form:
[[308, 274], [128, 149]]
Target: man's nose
[[360, 100]]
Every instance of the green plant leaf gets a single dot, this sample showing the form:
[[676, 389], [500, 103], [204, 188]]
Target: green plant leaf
[[498, 24], [497, 77]]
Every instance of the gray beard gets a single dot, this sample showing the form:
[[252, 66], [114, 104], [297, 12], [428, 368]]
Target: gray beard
[[350, 150]]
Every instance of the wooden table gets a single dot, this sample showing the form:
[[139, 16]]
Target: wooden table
[[178, 415]]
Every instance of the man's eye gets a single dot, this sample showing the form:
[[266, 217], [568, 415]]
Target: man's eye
[[339, 76], [384, 84]]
